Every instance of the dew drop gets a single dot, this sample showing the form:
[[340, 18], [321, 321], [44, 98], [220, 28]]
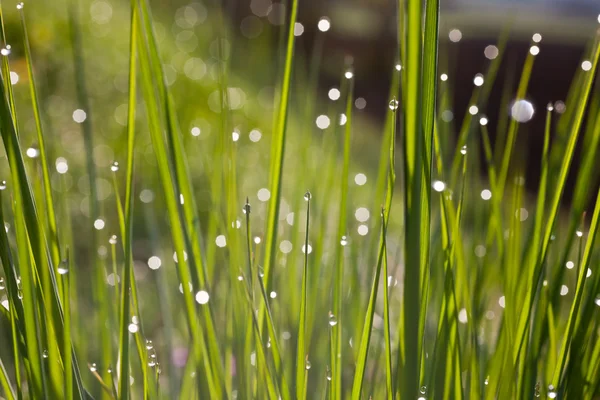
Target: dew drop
[[522, 111], [20, 6], [45, 354], [93, 367], [2, 185], [328, 373], [6, 50], [202, 297], [307, 365], [2, 285], [332, 319], [114, 166], [344, 241], [394, 104], [551, 392], [113, 239], [63, 268], [307, 196], [423, 389], [149, 344], [487, 381], [463, 150]]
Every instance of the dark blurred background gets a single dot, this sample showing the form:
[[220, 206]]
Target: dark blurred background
[[366, 31]]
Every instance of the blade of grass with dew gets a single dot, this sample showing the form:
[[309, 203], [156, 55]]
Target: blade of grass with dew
[[534, 244], [53, 239], [560, 184], [15, 305], [6, 71], [388, 206], [301, 362], [458, 278], [413, 180], [28, 291], [336, 356], [581, 197], [67, 336], [11, 287], [34, 230], [177, 232], [365, 340], [254, 276], [184, 188], [126, 224], [143, 355], [275, 348], [583, 267], [429, 102], [277, 153]]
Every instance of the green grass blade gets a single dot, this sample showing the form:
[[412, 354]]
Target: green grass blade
[[53, 239], [365, 340], [278, 150], [5, 383], [301, 355], [391, 183], [583, 267], [553, 210], [336, 348], [414, 177], [128, 278]]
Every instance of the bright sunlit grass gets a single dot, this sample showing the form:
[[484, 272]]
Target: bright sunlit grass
[[276, 248]]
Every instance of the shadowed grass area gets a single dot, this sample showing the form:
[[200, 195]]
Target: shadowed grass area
[[185, 216]]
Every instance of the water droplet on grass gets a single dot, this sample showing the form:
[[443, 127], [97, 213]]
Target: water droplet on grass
[[45, 354], [149, 344], [2, 185], [307, 365], [93, 367], [551, 392], [63, 268], [2, 285], [394, 104], [463, 150], [332, 319], [307, 196], [113, 239], [114, 167], [202, 297]]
